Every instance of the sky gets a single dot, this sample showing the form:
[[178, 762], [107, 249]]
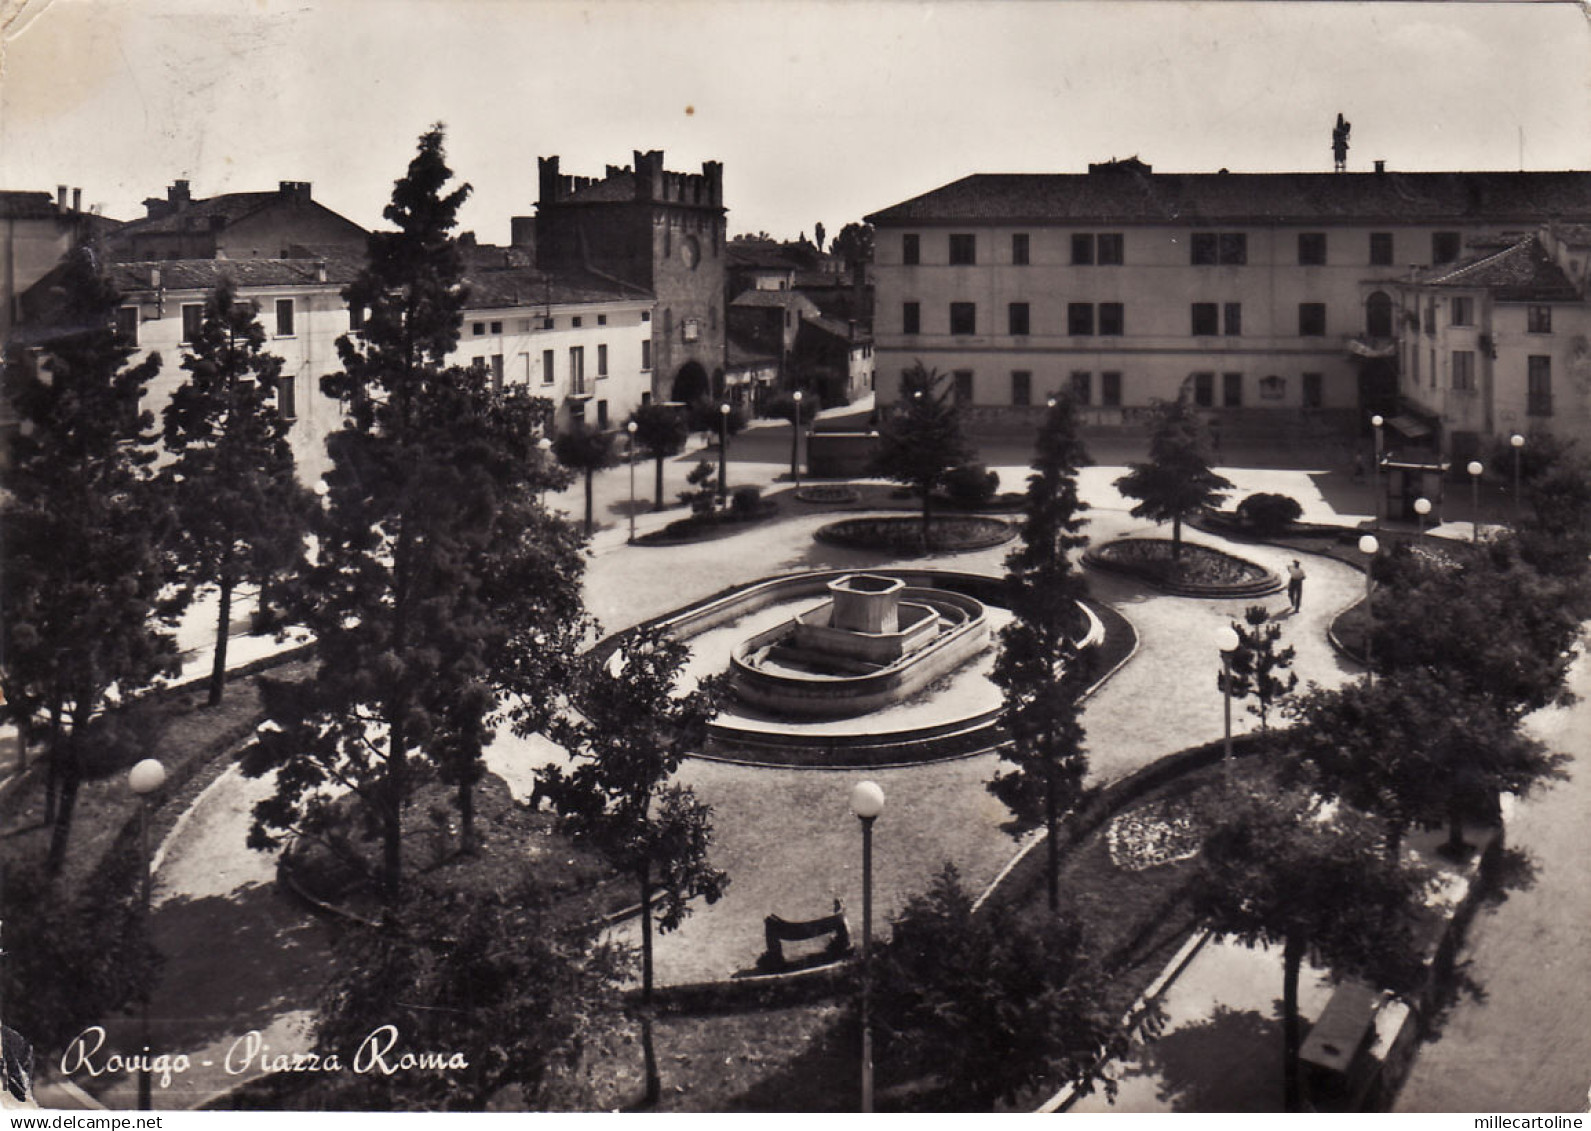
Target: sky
[[819, 111]]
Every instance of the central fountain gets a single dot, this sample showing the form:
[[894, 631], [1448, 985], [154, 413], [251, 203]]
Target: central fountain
[[873, 643]]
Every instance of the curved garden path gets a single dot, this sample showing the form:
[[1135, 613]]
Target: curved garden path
[[244, 958]]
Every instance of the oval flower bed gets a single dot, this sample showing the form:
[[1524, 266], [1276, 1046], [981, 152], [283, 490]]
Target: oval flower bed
[[1200, 571], [1153, 835], [900, 534], [831, 493]]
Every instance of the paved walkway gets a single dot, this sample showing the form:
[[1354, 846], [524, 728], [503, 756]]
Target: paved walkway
[[241, 961]]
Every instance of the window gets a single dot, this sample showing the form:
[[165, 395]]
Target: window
[[1108, 249], [646, 316], [478, 363], [477, 329], [1232, 314], [497, 372], [910, 249], [287, 397], [602, 360], [1464, 370], [576, 322], [356, 317], [1205, 319], [1311, 249], [1463, 312], [1381, 249], [602, 320], [497, 327], [602, 414], [1017, 318], [1539, 398], [963, 386], [127, 326], [284, 318], [1019, 249], [192, 319], [1082, 387], [1538, 319], [1232, 390], [1378, 315], [577, 369], [963, 249], [1021, 387], [546, 366], [549, 323], [1311, 319], [1430, 316], [523, 368], [1445, 246], [1230, 249], [1110, 389], [1082, 249], [646, 353], [911, 318], [1111, 319], [963, 318], [1080, 318], [1204, 389], [1312, 390]]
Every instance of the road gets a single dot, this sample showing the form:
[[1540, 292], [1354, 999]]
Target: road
[[1526, 1045]]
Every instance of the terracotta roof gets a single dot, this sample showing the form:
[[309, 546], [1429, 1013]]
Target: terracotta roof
[[528, 286], [1132, 194], [204, 274], [841, 330], [1519, 273], [784, 299], [18, 204], [230, 207], [747, 254], [737, 355]]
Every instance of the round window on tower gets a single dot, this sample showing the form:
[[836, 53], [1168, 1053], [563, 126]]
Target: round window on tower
[[691, 251]]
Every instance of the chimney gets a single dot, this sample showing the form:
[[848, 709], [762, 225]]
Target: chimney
[[154, 278], [293, 190], [320, 271], [1381, 165], [60, 198], [177, 195], [77, 200]]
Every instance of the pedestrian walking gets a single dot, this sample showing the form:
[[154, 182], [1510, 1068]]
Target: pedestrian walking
[[1295, 584]]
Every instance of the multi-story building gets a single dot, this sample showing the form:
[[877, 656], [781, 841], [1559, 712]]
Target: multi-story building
[[662, 232], [1499, 343], [287, 223], [35, 232], [1246, 291]]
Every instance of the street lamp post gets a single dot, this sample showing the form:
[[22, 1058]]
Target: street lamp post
[[1376, 422], [1368, 546], [631, 429], [867, 802], [795, 440], [143, 779], [1474, 468], [723, 453], [1422, 507], [1227, 642], [1516, 441], [544, 447]]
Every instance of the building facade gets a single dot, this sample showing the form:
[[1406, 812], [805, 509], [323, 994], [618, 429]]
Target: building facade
[[660, 231], [1499, 344], [287, 223], [1244, 291]]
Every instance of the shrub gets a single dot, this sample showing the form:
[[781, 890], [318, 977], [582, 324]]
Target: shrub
[[1269, 514], [971, 485], [745, 501], [700, 499]]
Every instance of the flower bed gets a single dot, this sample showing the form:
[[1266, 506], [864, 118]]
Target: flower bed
[[1200, 571], [1156, 834], [900, 534], [834, 494]]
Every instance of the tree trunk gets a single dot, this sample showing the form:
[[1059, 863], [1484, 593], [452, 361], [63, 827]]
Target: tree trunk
[[392, 820], [657, 503], [590, 504], [1395, 831], [1052, 820], [1176, 537], [1292, 962], [1456, 845], [466, 802], [71, 778], [654, 1083], [52, 771], [222, 627], [928, 507]]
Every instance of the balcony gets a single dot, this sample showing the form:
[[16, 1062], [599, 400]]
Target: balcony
[[1363, 345]]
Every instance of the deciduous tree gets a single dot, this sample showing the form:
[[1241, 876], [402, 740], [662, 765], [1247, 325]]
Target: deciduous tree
[[586, 451], [626, 733], [661, 431]]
